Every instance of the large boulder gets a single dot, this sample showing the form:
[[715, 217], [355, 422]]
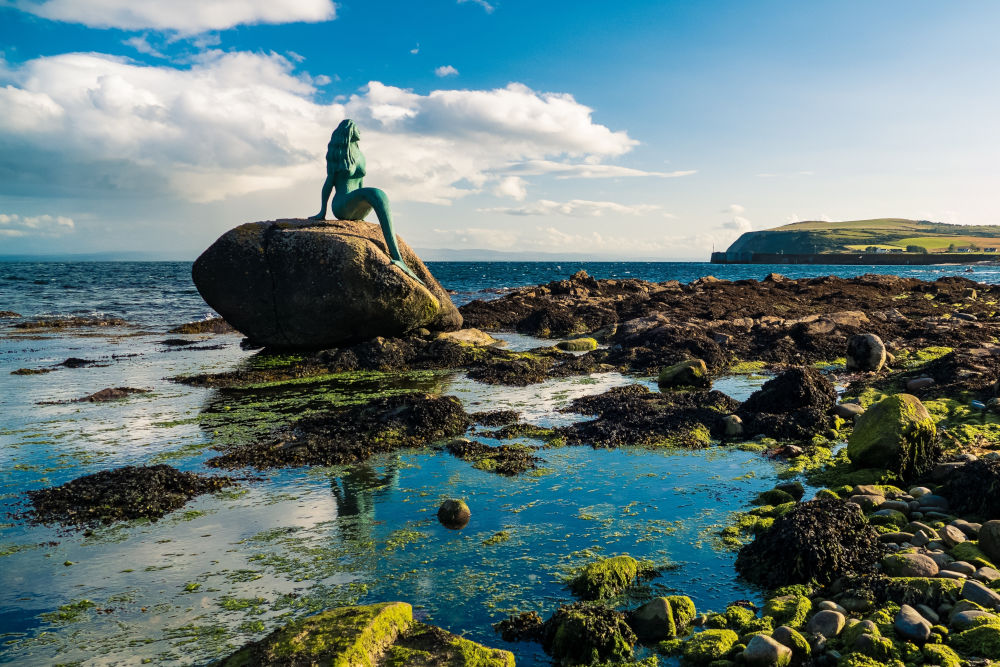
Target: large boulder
[[897, 434], [865, 352], [314, 284]]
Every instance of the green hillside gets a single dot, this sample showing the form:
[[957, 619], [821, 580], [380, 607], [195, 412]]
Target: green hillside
[[885, 234]]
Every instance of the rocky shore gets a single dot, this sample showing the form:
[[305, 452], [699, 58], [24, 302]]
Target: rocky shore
[[883, 398]]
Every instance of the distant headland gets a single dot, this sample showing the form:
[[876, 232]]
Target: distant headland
[[879, 241]]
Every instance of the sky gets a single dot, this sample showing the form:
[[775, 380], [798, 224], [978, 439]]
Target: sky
[[639, 129]]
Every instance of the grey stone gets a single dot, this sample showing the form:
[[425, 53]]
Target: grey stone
[[916, 384], [989, 540], [315, 285], [943, 471], [763, 651], [927, 613], [918, 491], [976, 592], [867, 503], [898, 505], [987, 574], [964, 620], [932, 500], [865, 352], [652, 621], [968, 317], [951, 535], [895, 538], [848, 410], [971, 530], [828, 623], [948, 574], [919, 539], [909, 624], [910, 565], [732, 426], [830, 604], [967, 569], [963, 605], [940, 558]]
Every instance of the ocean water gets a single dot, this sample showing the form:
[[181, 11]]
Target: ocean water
[[230, 567]]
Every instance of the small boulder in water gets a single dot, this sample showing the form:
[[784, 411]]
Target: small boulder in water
[[454, 513]]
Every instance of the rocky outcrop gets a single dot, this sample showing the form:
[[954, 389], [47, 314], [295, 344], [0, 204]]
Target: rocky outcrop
[[312, 284]]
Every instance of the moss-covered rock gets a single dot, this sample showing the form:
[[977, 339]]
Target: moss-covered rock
[[709, 645], [970, 552], [653, 621], [896, 434], [982, 641], [605, 578], [773, 497], [931, 591], [939, 654], [690, 373], [793, 639], [743, 621], [428, 646], [684, 611], [790, 610], [581, 633], [577, 345], [343, 636]]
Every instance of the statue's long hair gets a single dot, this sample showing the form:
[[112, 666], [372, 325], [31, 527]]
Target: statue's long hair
[[343, 153]]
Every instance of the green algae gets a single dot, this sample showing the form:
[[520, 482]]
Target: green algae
[[398, 539], [790, 610], [970, 552], [605, 578], [709, 645], [497, 538], [68, 613]]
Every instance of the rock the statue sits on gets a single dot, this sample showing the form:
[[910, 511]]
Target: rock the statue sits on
[[310, 285]]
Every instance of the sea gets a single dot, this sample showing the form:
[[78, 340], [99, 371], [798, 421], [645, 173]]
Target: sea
[[230, 567]]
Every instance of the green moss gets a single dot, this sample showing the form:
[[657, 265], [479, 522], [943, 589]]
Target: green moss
[[858, 660], [971, 553], [68, 613], [884, 617], [981, 642], [742, 527], [772, 497], [709, 645], [746, 367], [605, 578], [578, 345], [683, 610], [790, 610], [897, 434], [343, 636], [801, 651], [895, 519], [938, 654], [923, 590], [670, 647], [826, 494]]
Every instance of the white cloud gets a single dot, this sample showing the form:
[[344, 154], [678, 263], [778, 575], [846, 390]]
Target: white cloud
[[96, 125], [482, 3], [564, 170], [141, 44], [40, 225], [737, 222], [445, 70], [184, 16], [511, 186], [416, 49], [575, 208]]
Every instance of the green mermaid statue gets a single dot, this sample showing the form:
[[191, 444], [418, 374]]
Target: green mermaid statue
[[345, 171]]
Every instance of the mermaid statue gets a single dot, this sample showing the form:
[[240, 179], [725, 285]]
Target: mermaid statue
[[345, 171]]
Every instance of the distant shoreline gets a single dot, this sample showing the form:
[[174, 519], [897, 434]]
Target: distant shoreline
[[855, 259]]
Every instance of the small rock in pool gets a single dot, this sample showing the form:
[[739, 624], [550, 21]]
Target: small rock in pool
[[454, 513], [111, 394], [9, 313]]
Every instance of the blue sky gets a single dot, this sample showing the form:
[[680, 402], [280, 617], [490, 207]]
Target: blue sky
[[636, 129]]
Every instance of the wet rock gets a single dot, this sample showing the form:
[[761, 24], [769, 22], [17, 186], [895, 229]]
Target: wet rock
[[122, 494], [865, 352], [577, 345], [9, 314], [653, 621], [910, 625], [828, 623], [709, 645], [897, 434], [354, 433], [454, 513], [689, 373], [526, 626], [215, 325], [309, 284], [429, 646], [794, 489], [504, 459], [606, 578], [819, 539], [793, 404], [633, 415], [763, 651], [732, 426], [496, 417], [111, 394], [582, 633], [70, 323]]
